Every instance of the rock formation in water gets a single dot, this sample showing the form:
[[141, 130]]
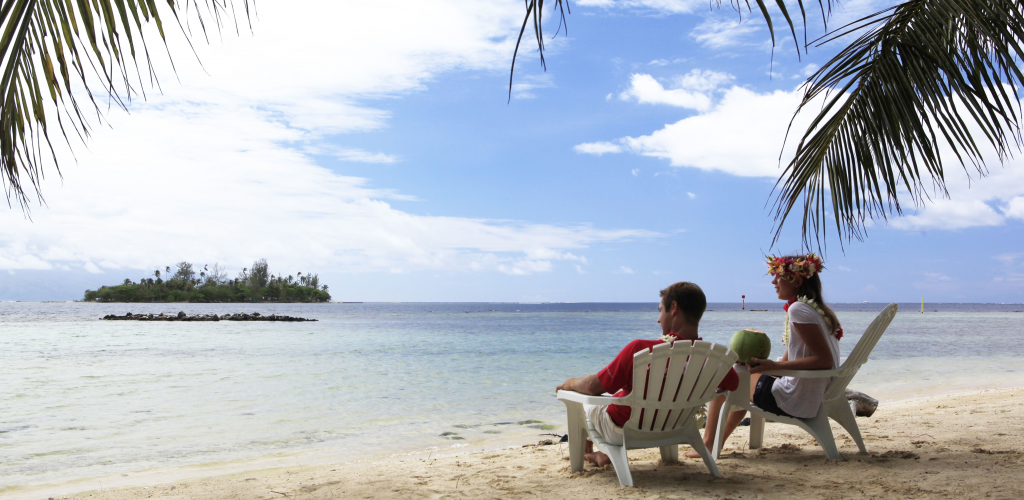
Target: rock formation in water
[[181, 316]]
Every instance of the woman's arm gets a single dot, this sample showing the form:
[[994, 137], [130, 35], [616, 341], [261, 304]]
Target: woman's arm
[[820, 358]]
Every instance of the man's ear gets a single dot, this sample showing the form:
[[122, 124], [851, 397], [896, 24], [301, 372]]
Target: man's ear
[[673, 309]]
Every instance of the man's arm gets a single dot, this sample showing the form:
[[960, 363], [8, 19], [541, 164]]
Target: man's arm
[[588, 384]]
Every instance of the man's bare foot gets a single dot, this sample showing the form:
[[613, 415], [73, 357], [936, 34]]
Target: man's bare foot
[[597, 458], [693, 453]]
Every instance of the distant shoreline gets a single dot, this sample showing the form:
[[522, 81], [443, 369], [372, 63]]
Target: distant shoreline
[[753, 307]]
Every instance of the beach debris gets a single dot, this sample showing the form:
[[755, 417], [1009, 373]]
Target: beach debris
[[983, 451], [546, 442], [906, 455], [784, 448], [181, 316], [861, 404]]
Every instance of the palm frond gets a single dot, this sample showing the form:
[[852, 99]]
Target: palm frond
[[922, 74], [535, 9], [50, 47]]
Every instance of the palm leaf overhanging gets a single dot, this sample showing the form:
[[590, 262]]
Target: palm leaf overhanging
[[57, 49], [920, 75]]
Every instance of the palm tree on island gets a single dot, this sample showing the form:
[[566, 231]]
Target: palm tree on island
[[251, 286]]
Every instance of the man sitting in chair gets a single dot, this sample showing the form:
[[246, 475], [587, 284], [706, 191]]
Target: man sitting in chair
[[681, 308]]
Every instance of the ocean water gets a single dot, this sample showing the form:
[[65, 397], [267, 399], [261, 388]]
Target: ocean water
[[82, 398]]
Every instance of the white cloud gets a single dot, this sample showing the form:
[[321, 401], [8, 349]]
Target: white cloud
[[597, 148], [358, 155], [646, 90], [263, 199], [523, 89], [324, 91], [219, 167], [635, 172], [659, 62], [741, 135], [1015, 208], [692, 90], [973, 201], [690, 195], [661, 6], [950, 214], [523, 267], [809, 70], [1008, 258], [624, 270], [715, 33], [702, 80]]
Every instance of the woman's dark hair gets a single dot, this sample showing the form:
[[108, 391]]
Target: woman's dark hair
[[689, 298], [811, 288]]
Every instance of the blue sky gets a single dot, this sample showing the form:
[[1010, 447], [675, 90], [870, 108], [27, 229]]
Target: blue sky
[[373, 144]]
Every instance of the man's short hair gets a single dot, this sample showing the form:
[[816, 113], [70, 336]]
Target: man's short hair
[[689, 298]]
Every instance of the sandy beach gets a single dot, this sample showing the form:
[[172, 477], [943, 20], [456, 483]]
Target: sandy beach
[[969, 445]]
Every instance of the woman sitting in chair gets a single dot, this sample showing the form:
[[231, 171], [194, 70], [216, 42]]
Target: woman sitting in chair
[[812, 343]]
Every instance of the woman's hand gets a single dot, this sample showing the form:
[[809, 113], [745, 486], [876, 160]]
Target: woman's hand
[[762, 365]]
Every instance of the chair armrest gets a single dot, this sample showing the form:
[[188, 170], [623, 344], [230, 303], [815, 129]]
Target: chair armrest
[[803, 373], [586, 399]]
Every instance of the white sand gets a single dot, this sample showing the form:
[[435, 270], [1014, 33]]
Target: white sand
[[967, 446]]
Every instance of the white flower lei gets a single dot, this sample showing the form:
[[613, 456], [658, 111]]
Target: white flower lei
[[809, 302]]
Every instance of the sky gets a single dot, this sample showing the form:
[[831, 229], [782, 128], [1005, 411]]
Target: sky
[[374, 143]]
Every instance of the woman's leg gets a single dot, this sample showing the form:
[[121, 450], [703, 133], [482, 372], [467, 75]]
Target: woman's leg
[[714, 410]]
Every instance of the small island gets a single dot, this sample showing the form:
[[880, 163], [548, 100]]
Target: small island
[[254, 284]]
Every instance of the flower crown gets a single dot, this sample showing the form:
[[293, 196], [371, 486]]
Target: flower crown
[[791, 267]]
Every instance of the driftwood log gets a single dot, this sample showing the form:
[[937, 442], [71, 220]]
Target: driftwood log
[[861, 404], [181, 316]]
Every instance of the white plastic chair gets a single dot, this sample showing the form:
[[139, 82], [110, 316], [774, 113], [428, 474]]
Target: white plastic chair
[[833, 405], [683, 378]]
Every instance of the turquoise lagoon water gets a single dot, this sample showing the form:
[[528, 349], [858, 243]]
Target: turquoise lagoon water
[[83, 398]]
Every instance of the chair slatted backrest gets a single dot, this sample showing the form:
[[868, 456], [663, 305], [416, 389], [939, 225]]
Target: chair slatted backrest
[[860, 353], [673, 380]]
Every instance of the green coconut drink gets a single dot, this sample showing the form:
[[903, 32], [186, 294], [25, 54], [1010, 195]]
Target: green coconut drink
[[750, 343]]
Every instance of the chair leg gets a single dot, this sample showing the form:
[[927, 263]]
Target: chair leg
[[843, 414], [822, 431], [577, 435], [670, 453], [756, 431], [694, 440], [620, 461]]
